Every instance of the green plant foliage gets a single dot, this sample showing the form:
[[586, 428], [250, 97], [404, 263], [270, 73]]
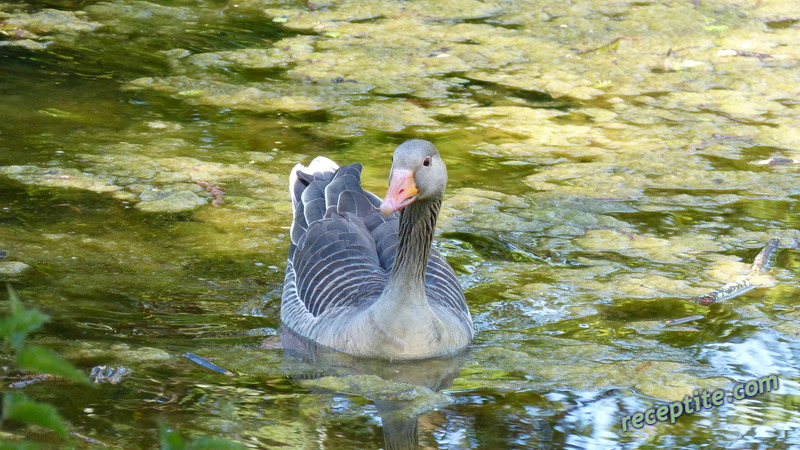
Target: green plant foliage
[[20, 408], [40, 359], [19, 446], [15, 327], [172, 440]]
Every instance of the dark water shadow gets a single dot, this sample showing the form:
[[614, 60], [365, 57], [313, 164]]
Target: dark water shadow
[[401, 390]]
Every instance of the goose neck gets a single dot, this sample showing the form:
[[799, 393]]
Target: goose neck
[[415, 236]]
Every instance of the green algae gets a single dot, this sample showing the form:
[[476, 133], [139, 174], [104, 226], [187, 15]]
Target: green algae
[[166, 184], [50, 21], [119, 354], [660, 379], [37, 30], [170, 202], [63, 178], [130, 13], [402, 51], [652, 248]]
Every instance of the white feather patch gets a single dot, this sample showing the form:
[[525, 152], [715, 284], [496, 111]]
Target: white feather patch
[[320, 164]]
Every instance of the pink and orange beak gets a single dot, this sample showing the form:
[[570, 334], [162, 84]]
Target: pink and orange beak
[[402, 192]]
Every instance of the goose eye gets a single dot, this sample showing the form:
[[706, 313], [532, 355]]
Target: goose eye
[[427, 161]]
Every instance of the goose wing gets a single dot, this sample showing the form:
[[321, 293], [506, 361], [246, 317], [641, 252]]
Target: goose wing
[[441, 285], [341, 246]]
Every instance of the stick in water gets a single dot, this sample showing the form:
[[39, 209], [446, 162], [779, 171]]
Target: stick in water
[[760, 265], [200, 361]]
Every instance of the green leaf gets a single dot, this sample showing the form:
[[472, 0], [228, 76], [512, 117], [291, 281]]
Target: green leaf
[[206, 443], [20, 408], [170, 440], [20, 445], [16, 327], [42, 360]]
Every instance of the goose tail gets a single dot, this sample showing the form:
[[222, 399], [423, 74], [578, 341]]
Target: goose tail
[[301, 176]]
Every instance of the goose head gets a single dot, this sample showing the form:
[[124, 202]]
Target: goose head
[[418, 174]]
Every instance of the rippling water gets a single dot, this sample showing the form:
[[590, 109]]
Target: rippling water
[[607, 164]]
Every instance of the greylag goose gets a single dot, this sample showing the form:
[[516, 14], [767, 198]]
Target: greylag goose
[[360, 278]]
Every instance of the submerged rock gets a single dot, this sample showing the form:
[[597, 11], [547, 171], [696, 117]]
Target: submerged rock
[[12, 269]]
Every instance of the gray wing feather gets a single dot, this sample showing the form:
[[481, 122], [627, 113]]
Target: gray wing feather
[[441, 284], [357, 203], [299, 226], [335, 262], [314, 210]]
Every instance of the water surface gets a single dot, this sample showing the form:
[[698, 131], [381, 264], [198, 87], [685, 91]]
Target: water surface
[[607, 164]]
